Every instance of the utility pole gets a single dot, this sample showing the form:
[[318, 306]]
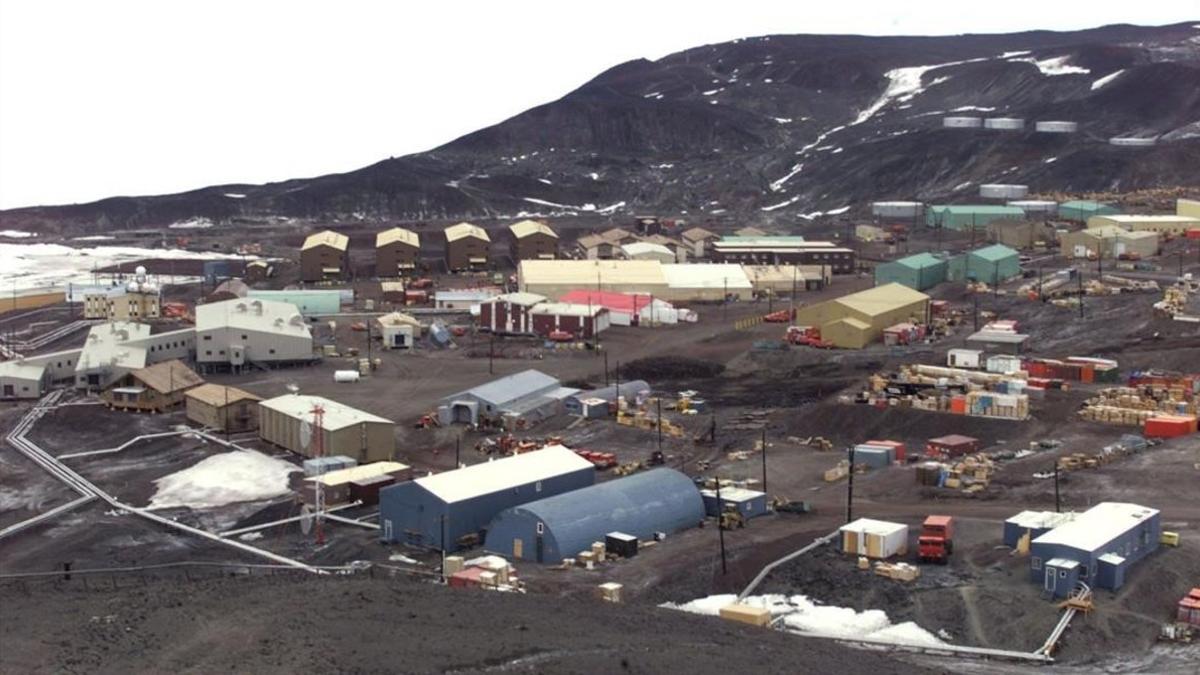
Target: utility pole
[[370, 361], [1040, 296], [1080, 273], [724, 299], [658, 404], [975, 297], [764, 457], [457, 449], [721, 525], [1057, 499], [442, 545], [850, 486], [606, 368], [995, 278], [491, 353]]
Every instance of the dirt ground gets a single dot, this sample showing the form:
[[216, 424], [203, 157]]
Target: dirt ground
[[982, 598]]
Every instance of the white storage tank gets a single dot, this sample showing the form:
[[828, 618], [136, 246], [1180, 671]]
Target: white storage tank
[[897, 209], [1056, 127], [962, 122], [1132, 142], [1035, 206], [1003, 191], [345, 376], [1004, 123]]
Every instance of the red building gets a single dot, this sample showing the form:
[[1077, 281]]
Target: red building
[[509, 313], [583, 322]]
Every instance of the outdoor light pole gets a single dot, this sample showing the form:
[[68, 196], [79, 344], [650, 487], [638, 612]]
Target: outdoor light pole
[[850, 486], [764, 457], [1057, 499], [721, 525]]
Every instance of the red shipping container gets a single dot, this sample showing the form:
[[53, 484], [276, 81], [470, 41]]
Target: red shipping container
[[1169, 426], [467, 578], [1189, 611], [958, 405], [1193, 234]]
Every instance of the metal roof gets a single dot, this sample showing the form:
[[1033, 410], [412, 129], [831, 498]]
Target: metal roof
[[616, 234], [1169, 219], [1098, 526], [21, 370], [566, 309], [511, 387], [520, 298], [995, 253], [219, 394], [356, 473], [871, 526], [337, 416], [641, 248], [919, 260], [697, 234], [986, 209], [589, 273], [527, 227], [659, 500], [252, 314], [881, 299], [462, 230], [167, 377], [703, 275], [110, 345], [503, 474], [998, 337], [398, 234], [613, 301], [628, 391], [592, 241], [326, 238]]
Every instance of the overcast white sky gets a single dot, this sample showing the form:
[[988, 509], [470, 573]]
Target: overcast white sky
[[121, 97]]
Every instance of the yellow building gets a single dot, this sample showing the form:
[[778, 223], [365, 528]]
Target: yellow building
[[1175, 225], [135, 302], [1187, 207], [856, 320], [1108, 241]]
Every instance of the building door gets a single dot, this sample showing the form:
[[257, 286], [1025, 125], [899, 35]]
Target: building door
[[1050, 578], [8, 390], [541, 545], [518, 548], [387, 529]]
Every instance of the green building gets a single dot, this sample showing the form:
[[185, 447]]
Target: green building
[[966, 216], [1081, 210], [987, 264], [317, 302], [918, 272]]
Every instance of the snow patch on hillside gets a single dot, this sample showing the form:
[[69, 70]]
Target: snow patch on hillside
[[235, 195], [17, 234], [780, 205], [1106, 79], [903, 85], [1053, 66], [800, 615], [192, 224]]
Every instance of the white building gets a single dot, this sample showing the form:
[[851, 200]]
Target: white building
[[242, 331], [644, 250]]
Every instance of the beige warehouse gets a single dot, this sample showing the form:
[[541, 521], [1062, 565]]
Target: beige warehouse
[[288, 421], [1169, 224], [223, 408], [1187, 207], [856, 320], [555, 278], [1108, 241]]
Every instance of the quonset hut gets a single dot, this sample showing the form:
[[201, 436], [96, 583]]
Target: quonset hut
[[460, 503], [660, 500]]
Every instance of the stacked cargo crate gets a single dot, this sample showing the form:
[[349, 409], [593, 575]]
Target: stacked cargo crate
[[1163, 411]]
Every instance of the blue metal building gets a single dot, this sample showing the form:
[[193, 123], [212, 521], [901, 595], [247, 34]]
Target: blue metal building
[[1033, 523], [1097, 547], [548, 530], [463, 501], [750, 503]]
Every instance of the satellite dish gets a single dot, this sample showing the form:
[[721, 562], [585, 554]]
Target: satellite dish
[[305, 434], [306, 519]]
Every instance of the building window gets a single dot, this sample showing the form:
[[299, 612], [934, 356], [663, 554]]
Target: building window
[[537, 487], [1035, 563], [1083, 572], [272, 351], [222, 352], [1062, 574], [243, 338], [207, 337], [208, 352]]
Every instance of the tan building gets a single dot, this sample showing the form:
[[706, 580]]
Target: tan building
[[856, 320], [531, 240], [1108, 241], [248, 331], [1189, 208], [137, 300], [618, 236], [467, 247], [680, 250], [781, 279], [555, 278], [1165, 225], [290, 422], [1020, 234], [226, 409], [152, 389], [595, 247], [397, 252], [699, 241], [325, 255]]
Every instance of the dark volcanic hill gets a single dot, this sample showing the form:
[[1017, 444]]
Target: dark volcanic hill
[[773, 128]]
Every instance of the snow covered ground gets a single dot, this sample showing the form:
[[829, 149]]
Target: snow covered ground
[[227, 478], [192, 223], [1106, 79], [17, 234], [1053, 66], [30, 266], [803, 616]]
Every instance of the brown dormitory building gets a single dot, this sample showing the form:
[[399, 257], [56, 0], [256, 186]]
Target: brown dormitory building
[[467, 247], [325, 256], [396, 252], [531, 240]]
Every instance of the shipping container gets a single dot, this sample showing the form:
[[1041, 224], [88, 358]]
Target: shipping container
[[899, 453], [953, 445], [874, 457], [1170, 426], [874, 538]]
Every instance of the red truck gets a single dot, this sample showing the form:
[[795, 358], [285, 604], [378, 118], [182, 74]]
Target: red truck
[[936, 541], [809, 336]]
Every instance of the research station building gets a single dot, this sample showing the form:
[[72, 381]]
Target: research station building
[[467, 247], [462, 502], [553, 528], [531, 240], [289, 421], [919, 272], [324, 256], [397, 252], [853, 321], [1098, 547], [226, 409], [234, 333]]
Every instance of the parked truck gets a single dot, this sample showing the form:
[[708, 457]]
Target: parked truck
[[937, 539], [808, 336]]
